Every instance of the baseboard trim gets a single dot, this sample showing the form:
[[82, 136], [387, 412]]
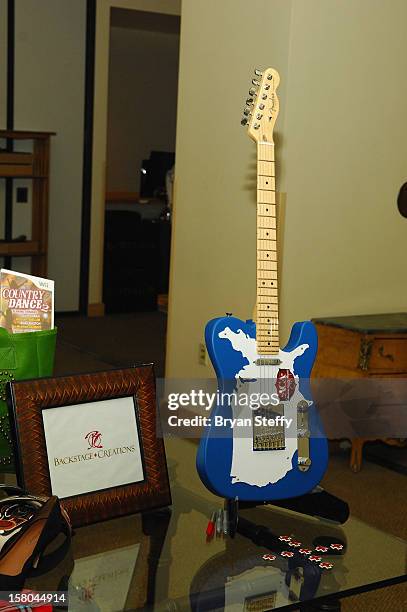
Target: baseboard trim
[[67, 313], [96, 310]]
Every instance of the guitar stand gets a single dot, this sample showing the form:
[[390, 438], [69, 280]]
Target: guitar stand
[[319, 503]]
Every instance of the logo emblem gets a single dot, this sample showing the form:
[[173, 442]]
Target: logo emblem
[[94, 439], [285, 384]]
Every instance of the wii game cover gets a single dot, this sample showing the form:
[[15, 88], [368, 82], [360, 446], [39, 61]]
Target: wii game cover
[[26, 302]]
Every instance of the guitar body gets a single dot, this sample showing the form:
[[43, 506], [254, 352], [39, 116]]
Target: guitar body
[[275, 449], [227, 462]]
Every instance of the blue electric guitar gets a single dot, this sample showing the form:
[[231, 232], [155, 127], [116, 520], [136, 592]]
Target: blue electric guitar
[[273, 449]]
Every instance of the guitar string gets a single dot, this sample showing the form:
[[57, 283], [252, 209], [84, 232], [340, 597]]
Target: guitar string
[[266, 385]]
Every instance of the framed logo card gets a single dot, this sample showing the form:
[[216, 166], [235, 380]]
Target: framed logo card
[[84, 459], [91, 440]]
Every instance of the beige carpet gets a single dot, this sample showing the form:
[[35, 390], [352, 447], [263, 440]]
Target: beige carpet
[[378, 496]]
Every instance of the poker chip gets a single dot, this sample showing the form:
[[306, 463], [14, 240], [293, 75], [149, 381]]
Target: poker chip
[[321, 548], [269, 557], [287, 553], [315, 558], [284, 538], [305, 551], [294, 543], [336, 546], [326, 565]]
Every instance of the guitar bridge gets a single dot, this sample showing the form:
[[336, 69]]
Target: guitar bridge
[[268, 436]]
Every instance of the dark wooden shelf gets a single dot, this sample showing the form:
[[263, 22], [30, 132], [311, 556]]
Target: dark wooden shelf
[[22, 175], [25, 135], [35, 166], [19, 249], [18, 165], [16, 157], [15, 171]]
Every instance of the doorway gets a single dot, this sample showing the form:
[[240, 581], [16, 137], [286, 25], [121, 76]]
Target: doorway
[[141, 130]]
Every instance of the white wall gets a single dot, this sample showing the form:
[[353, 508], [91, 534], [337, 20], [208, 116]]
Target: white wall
[[213, 245], [49, 96], [346, 131], [341, 158], [143, 83]]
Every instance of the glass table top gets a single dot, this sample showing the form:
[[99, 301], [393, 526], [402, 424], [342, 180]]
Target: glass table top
[[162, 561]]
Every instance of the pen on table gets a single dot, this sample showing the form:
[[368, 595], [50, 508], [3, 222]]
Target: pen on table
[[210, 530], [225, 522]]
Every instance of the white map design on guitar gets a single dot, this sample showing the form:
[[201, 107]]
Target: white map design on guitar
[[263, 468]]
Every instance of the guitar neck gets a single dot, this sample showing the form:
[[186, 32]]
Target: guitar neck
[[268, 341]]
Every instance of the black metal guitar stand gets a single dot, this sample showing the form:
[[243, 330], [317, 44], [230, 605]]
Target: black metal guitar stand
[[319, 503]]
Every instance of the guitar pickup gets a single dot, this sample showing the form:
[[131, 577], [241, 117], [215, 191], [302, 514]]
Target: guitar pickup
[[264, 361]]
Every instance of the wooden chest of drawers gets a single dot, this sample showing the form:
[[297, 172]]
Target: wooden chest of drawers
[[362, 346]]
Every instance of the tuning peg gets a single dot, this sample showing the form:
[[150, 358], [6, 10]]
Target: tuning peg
[[244, 121], [252, 91], [255, 82], [247, 111], [256, 126], [258, 72], [249, 101]]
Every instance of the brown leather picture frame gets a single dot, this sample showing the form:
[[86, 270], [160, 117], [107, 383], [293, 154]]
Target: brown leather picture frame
[[28, 399]]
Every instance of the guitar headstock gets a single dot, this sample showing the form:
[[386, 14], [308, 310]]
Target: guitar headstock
[[262, 105]]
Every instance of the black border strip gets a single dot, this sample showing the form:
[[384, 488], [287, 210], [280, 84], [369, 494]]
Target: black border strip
[[10, 63], [8, 222], [87, 154]]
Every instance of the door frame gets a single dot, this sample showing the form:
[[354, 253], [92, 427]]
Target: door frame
[[94, 237]]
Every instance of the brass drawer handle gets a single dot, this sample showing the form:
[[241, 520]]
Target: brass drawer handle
[[388, 356]]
